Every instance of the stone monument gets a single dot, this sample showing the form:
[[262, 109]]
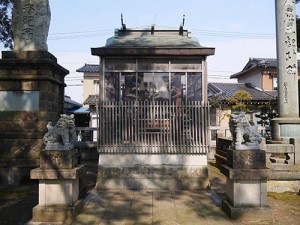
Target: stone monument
[[31, 91], [30, 23], [286, 128], [246, 172], [287, 125], [61, 179]]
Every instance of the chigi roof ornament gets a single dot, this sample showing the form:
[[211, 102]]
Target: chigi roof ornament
[[122, 23], [181, 26]]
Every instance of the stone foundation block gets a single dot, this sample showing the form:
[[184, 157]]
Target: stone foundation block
[[249, 214], [55, 213], [153, 177]]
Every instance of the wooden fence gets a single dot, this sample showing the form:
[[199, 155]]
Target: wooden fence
[[153, 127]]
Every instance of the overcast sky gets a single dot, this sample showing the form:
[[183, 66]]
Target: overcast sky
[[238, 29]]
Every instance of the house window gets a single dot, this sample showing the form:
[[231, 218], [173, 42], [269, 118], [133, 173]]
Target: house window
[[275, 84], [96, 86]]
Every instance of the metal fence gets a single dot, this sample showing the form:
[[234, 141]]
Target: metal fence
[[153, 127]]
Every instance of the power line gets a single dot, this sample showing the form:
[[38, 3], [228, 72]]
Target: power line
[[69, 85], [217, 33]]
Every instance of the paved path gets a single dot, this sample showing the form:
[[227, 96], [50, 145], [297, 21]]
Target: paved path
[[152, 207]]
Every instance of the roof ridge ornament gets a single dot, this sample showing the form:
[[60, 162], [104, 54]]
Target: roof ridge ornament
[[181, 26], [122, 23]]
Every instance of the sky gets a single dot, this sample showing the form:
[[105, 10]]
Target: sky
[[237, 29]]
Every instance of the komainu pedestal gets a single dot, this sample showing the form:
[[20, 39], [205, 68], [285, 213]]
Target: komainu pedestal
[[61, 179], [61, 186], [246, 174]]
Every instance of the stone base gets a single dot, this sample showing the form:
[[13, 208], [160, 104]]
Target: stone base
[[246, 159], [247, 193], [58, 159], [283, 129], [280, 186], [248, 213], [55, 213], [169, 172], [60, 186], [146, 177], [36, 77]]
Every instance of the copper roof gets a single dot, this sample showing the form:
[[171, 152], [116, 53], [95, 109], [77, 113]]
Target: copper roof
[[152, 42]]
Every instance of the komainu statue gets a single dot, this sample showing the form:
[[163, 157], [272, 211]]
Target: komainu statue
[[244, 134], [62, 135]]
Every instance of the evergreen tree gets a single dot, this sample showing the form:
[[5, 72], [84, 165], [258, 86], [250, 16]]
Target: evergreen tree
[[240, 101], [5, 23]]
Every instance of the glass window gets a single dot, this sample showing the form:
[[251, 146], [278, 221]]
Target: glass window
[[153, 87], [113, 64], [128, 86], [183, 64], [178, 87], [194, 87], [153, 64], [111, 86]]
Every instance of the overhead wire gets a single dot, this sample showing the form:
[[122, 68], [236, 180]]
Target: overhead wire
[[217, 33]]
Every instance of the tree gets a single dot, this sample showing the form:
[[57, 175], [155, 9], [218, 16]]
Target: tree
[[240, 101], [5, 23]]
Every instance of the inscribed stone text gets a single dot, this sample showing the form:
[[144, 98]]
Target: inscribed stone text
[[290, 30], [30, 25], [285, 85]]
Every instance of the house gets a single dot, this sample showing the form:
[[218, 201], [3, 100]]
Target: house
[[223, 91], [153, 108], [70, 104], [91, 91], [261, 73], [258, 77]]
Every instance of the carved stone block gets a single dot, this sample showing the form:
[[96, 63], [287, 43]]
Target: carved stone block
[[58, 159], [246, 159]]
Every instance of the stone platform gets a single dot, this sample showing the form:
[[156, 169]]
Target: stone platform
[[150, 171]]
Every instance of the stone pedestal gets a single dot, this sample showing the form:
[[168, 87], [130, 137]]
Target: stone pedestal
[[61, 186], [31, 94], [246, 185]]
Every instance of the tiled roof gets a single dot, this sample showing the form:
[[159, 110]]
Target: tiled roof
[[90, 68], [70, 103], [228, 89], [91, 100], [258, 62]]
